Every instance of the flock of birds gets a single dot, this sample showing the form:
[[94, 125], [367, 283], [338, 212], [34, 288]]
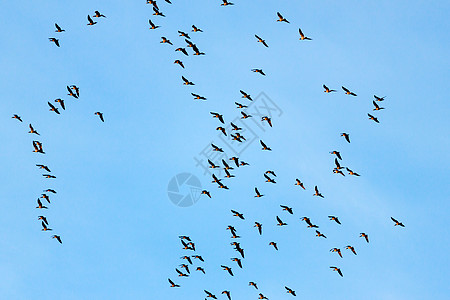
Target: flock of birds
[[234, 132]]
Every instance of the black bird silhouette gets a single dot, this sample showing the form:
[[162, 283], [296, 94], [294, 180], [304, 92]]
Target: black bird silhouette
[[338, 270], [228, 294], [17, 117], [237, 214], [302, 36], [100, 115], [347, 91], [90, 21], [260, 40], [245, 95], [377, 107], [280, 223], [338, 154], [225, 268], [281, 18], [264, 147], [362, 234], [287, 208], [290, 291], [56, 41], [260, 71], [61, 102], [346, 136], [196, 29], [373, 118], [215, 148], [152, 26], [258, 194], [317, 193], [97, 14], [259, 226], [397, 222], [182, 50], [58, 29], [53, 108], [172, 284], [218, 116], [225, 3], [327, 90], [333, 218], [57, 237]]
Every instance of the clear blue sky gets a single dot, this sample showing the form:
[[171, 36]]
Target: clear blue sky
[[118, 226]]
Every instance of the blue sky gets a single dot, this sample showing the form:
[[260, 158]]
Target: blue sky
[[118, 226]]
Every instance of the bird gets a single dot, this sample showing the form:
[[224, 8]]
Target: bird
[[215, 148], [182, 50], [164, 40], [261, 296], [17, 118], [350, 172], [238, 261], [269, 120], [235, 127], [268, 179], [298, 182], [290, 291], [58, 29], [76, 89], [61, 102], [48, 176], [212, 165], [32, 130], [38, 147], [205, 192], [173, 284], [362, 234], [210, 295], [236, 160], [179, 62], [184, 237], [40, 204], [260, 40], [373, 118], [377, 107], [225, 268], [184, 34], [46, 197], [196, 29], [302, 36], [327, 90], [228, 175], [245, 95], [260, 71], [90, 21], [186, 267], [226, 166], [225, 3], [198, 97], [319, 234], [308, 221], [337, 250], [378, 98], [245, 116], [338, 270], [54, 40], [228, 294], [97, 14], [43, 167], [218, 116], [196, 51], [397, 222], [71, 93], [338, 165], [239, 105], [258, 194], [222, 130], [188, 259], [281, 18], [57, 237], [346, 136], [259, 226], [280, 223], [333, 218], [181, 274], [347, 91], [274, 245], [264, 147], [317, 193], [287, 208], [152, 25], [157, 12], [44, 219], [200, 269], [338, 154], [237, 214], [351, 248], [44, 227], [199, 257], [337, 171], [186, 82], [100, 115], [251, 283], [189, 43]]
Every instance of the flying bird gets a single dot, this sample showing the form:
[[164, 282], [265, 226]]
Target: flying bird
[[225, 3], [251, 283], [215, 148], [260, 40], [319, 234], [337, 250], [90, 21], [32, 130], [338, 154], [182, 50], [259, 226], [317, 193], [287, 208], [362, 234], [333, 218], [281, 18], [157, 12], [260, 71], [184, 34], [348, 92], [196, 51], [17, 118], [373, 118], [205, 192], [338, 270], [351, 248], [173, 284], [186, 82], [71, 93], [179, 62], [225, 268], [164, 40], [43, 167], [152, 25], [280, 223], [97, 14], [269, 120], [299, 183], [57, 237], [58, 29], [378, 98], [218, 116], [397, 222], [237, 214], [264, 147], [56, 41], [377, 107], [246, 96], [290, 291], [196, 29], [350, 172], [302, 36], [346, 136], [40, 204], [274, 245], [228, 294], [327, 90]]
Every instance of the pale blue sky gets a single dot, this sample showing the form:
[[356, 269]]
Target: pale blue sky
[[120, 230]]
